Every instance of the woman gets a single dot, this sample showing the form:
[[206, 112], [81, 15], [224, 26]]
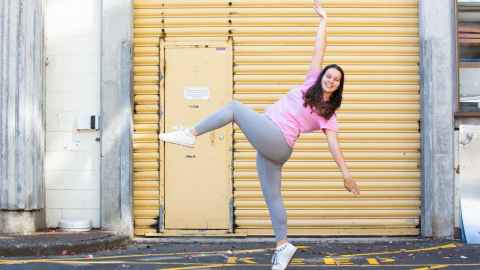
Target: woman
[[306, 108]]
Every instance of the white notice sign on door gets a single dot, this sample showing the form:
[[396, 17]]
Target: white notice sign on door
[[193, 93]]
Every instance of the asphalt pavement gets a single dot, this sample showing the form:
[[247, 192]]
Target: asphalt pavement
[[57, 243], [184, 253]]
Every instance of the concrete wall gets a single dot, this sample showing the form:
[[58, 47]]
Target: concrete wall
[[73, 94], [22, 120], [117, 123], [439, 85]]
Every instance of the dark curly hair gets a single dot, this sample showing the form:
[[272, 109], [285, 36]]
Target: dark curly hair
[[314, 96]]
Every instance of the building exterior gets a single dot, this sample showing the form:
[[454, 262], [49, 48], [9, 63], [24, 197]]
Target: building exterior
[[123, 71]]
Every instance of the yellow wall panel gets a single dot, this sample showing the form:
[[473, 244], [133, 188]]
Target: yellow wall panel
[[330, 175], [346, 146], [306, 184], [322, 214], [347, 98], [315, 156], [344, 203], [359, 88], [331, 40], [150, 185], [332, 49], [145, 127]]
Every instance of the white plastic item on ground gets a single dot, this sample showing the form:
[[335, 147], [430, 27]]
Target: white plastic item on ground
[[78, 225]]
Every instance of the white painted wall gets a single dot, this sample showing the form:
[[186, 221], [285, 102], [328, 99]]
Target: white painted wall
[[469, 81], [73, 30]]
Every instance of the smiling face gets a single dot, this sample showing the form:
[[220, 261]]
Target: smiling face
[[325, 96], [331, 80]]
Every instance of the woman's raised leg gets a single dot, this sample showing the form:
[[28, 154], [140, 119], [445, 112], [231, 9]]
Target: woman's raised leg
[[260, 131]]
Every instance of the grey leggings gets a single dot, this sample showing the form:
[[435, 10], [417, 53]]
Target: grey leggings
[[272, 152]]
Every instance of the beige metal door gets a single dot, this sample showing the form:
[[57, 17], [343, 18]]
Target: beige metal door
[[198, 188]]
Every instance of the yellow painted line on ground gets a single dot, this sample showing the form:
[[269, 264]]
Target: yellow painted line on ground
[[232, 260], [298, 261], [329, 261], [248, 260], [337, 261], [244, 265], [24, 261], [216, 265], [235, 260], [208, 266], [184, 265], [440, 266], [446, 246], [348, 261], [220, 252], [4, 262], [386, 260]]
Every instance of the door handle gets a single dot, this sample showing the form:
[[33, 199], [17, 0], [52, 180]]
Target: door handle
[[190, 156], [194, 106]]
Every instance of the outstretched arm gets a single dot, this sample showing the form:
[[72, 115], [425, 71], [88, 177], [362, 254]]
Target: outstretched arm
[[334, 148], [321, 37]]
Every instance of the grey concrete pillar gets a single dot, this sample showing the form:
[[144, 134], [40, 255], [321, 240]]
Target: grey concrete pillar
[[117, 123], [439, 87], [22, 117]]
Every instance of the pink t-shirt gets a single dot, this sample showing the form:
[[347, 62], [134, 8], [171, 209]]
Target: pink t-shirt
[[292, 118]]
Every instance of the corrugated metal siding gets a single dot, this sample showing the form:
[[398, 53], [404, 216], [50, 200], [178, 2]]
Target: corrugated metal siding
[[376, 41], [22, 105], [147, 87]]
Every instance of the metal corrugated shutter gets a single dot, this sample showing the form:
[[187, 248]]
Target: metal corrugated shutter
[[146, 90], [376, 41]]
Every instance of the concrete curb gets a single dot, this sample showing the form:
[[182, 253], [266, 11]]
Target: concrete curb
[[212, 239], [42, 246]]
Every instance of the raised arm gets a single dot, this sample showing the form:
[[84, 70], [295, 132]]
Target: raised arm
[[321, 37], [334, 148]]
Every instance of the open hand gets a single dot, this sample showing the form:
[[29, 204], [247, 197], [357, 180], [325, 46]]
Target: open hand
[[319, 9], [351, 185]]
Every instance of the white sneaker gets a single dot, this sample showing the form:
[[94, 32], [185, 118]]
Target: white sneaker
[[282, 256], [181, 137]]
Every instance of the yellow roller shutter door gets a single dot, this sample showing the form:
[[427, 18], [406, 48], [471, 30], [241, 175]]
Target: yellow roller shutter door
[[376, 41]]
